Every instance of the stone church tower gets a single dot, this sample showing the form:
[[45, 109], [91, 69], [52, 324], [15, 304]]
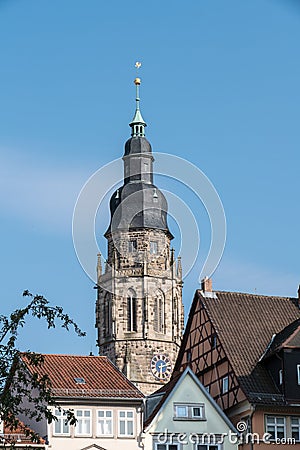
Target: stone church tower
[[139, 310]]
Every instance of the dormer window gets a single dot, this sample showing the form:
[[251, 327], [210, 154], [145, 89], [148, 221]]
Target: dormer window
[[79, 380]]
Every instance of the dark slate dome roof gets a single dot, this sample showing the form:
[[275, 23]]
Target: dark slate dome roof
[[137, 144], [138, 205]]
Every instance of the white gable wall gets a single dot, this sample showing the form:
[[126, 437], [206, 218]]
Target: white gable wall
[[188, 391]]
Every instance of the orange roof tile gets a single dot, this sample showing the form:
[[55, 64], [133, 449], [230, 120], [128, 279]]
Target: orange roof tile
[[19, 437], [101, 377]]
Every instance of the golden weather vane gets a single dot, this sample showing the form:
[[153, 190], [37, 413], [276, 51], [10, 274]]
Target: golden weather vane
[[137, 81]]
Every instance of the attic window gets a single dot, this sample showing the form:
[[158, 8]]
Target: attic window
[[298, 373], [189, 411], [79, 380], [181, 411]]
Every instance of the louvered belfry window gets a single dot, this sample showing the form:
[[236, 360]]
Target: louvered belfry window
[[131, 311]]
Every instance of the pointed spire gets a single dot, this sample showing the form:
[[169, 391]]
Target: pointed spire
[[137, 124]]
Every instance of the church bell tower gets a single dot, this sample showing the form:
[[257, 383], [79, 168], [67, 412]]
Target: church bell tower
[[139, 310]]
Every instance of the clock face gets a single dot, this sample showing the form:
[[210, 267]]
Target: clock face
[[161, 367]]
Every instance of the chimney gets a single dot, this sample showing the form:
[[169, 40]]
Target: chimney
[[206, 285]]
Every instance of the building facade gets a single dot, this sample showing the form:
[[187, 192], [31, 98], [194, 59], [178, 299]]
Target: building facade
[[107, 406], [244, 348], [19, 436], [139, 310], [183, 416]]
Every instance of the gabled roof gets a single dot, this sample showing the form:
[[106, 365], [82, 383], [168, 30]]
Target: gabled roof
[[289, 337], [85, 377], [168, 390], [94, 447], [18, 435], [245, 324]]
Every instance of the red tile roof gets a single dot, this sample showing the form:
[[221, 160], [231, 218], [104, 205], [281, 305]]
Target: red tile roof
[[19, 437], [101, 377], [245, 324]]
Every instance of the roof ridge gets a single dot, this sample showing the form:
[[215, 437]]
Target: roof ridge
[[253, 294], [65, 354]]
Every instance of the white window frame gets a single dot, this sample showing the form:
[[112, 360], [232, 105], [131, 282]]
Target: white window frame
[[275, 425], [225, 384], [181, 416], [208, 446], [83, 418], [298, 373], [106, 420], [280, 376], [201, 407], [189, 411], [61, 418], [167, 445], [296, 426], [127, 420]]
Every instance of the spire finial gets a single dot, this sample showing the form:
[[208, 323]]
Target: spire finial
[[137, 83], [138, 124]]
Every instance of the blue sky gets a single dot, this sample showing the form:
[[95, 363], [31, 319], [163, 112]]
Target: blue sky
[[220, 89]]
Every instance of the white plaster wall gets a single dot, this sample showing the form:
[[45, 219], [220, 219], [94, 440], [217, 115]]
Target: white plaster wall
[[188, 392], [73, 442]]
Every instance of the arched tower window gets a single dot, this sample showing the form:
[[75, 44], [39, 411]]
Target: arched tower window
[[131, 311], [107, 315], [159, 314]]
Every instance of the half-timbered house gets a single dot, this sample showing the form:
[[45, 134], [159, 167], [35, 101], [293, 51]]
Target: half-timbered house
[[245, 349]]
